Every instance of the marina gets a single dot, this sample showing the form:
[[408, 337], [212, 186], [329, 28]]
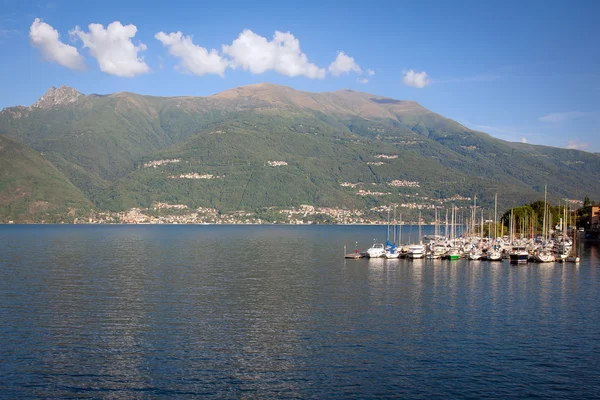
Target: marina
[[519, 242], [476, 249]]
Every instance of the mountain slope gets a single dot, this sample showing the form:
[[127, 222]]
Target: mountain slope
[[327, 140], [33, 190]]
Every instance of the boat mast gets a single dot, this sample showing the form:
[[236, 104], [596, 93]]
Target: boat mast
[[496, 216], [544, 225], [473, 215], [446, 229], [420, 238], [453, 233], [387, 232], [395, 224], [511, 225], [482, 223], [400, 231], [564, 221]]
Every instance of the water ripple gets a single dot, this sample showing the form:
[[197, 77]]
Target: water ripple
[[275, 312]]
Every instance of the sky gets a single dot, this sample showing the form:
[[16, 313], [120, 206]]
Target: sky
[[522, 71]]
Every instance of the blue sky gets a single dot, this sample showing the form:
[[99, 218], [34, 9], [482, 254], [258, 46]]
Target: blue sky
[[520, 71]]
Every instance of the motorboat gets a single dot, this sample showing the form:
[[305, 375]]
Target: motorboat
[[518, 254], [416, 251], [544, 256], [376, 251], [453, 254]]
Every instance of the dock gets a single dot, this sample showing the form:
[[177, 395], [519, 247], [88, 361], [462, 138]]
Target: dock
[[355, 255]]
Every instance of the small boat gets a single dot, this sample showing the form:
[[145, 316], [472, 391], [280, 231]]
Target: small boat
[[453, 254], [376, 251], [438, 251], [493, 255], [474, 255], [392, 252], [416, 251], [518, 254], [544, 256]]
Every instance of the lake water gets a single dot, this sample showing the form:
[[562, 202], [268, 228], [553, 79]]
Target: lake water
[[276, 312]]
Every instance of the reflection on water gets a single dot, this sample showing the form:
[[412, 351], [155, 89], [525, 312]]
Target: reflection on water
[[140, 311]]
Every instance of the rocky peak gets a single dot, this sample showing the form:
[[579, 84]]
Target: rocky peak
[[58, 96]]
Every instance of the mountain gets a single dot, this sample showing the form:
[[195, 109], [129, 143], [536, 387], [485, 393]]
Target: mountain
[[266, 145], [33, 190]]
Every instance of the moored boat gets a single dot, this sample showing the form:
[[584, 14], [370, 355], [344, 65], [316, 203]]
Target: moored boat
[[392, 252], [518, 254], [453, 254], [416, 251], [376, 251], [493, 255], [544, 256], [474, 255]]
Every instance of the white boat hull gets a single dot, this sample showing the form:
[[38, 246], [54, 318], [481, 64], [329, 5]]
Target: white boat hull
[[544, 258], [416, 255], [494, 256]]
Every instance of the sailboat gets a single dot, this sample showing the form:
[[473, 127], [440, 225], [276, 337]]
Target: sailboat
[[391, 248], [545, 255], [518, 253], [574, 256], [562, 248], [417, 250], [475, 254], [494, 254]]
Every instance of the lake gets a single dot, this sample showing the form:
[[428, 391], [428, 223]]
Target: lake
[[277, 312]]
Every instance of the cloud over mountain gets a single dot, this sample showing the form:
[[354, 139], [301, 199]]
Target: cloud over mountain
[[116, 53], [47, 40], [113, 49], [344, 64], [195, 59], [282, 54], [416, 79]]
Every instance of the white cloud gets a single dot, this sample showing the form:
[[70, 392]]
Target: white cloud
[[523, 139], [194, 59], [370, 72], [574, 144], [256, 54], [46, 38], [113, 49], [564, 116], [416, 79], [344, 64], [362, 80]]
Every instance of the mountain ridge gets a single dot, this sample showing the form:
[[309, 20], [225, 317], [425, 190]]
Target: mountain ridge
[[101, 142]]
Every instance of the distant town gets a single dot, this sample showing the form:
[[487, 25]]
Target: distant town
[[162, 213]]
